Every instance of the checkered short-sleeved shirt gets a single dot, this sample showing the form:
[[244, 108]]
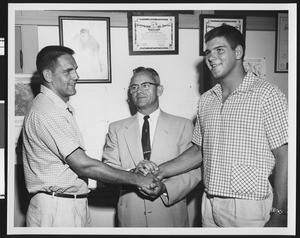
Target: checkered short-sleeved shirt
[[238, 137], [50, 134]]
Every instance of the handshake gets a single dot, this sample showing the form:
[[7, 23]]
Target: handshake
[[150, 183]]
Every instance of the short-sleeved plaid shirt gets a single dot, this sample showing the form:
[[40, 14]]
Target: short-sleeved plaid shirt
[[238, 137], [50, 134]]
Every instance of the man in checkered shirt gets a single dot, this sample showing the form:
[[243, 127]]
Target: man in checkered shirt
[[241, 136], [56, 166]]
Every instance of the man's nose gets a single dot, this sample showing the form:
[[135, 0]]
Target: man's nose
[[140, 89], [75, 75], [211, 56]]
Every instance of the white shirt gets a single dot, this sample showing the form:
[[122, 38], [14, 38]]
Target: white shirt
[[152, 123]]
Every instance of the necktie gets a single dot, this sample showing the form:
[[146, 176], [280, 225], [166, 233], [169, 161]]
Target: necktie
[[146, 139]]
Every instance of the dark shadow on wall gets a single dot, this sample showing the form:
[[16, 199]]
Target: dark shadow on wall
[[196, 196], [105, 196], [205, 80], [132, 107]]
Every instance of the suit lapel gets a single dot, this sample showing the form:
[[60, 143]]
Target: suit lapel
[[133, 140], [160, 137]]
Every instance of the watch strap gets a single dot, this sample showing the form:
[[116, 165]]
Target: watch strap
[[278, 211]]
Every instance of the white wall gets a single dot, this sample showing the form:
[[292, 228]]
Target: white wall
[[261, 44]]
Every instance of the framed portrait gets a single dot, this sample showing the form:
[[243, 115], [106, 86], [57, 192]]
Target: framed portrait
[[281, 54], [89, 37], [152, 33], [209, 22]]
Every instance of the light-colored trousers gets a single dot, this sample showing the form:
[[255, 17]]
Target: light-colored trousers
[[231, 212], [48, 211]]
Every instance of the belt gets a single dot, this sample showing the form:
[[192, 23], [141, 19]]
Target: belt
[[62, 195], [209, 196]]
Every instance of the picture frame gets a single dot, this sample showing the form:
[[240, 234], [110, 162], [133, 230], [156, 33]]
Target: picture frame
[[281, 49], [209, 21], [89, 37], [152, 33]]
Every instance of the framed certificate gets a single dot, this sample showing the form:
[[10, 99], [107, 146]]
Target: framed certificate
[[152, 33], [209, 22]]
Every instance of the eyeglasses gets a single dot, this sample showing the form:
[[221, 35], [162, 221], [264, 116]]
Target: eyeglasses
[[144, 86]]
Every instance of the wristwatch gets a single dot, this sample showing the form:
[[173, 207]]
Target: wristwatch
[[278, 211]]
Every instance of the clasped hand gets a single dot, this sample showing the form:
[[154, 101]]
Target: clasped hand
[[156, 188]]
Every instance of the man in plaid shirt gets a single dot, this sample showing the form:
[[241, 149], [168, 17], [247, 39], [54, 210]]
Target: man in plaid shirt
[[56, 166], [241, 136]]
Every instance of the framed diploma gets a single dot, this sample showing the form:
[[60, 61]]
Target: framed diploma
[[209, 22], [281, 56], [152, 33]]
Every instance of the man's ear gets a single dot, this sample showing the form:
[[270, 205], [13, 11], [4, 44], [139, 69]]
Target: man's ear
[[160, 90], [47, 75], [239, 52]]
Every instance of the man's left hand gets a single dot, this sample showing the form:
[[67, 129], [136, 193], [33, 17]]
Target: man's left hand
[[155, 191]]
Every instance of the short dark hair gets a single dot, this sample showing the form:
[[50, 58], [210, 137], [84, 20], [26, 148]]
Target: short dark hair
[[233, 36], [152, 72], [47, 57]]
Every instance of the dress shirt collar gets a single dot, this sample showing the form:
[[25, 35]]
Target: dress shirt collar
[[56, 99], [153, 116], [243, 87]]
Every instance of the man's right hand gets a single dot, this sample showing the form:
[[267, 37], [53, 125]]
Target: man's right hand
[[146, 167]]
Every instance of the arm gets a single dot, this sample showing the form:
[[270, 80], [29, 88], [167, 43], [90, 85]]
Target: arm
[[275, 112], [111, 151], [280, 187], [188, 160], [111, 155], [85, 166], [180, 186], [176, 188]]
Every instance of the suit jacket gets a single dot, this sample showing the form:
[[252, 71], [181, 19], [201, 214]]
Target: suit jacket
[[123, 150]]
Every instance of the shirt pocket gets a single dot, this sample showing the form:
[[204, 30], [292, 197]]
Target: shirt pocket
[[244, 179]]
